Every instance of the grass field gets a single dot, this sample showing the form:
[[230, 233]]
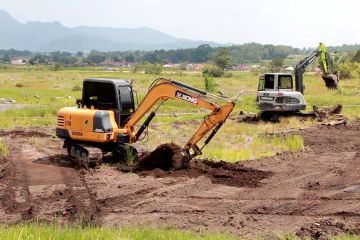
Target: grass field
[[43, 91], [41, 231]]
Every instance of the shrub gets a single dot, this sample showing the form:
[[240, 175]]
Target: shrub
[[344, 71], [57, 67], [76, 88], [228, 74], [148, 68], [153, 69], [210, 85], [212, 71]]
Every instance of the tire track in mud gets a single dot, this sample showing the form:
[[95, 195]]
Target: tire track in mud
[[40, 187], [284, 192], [16, 199]]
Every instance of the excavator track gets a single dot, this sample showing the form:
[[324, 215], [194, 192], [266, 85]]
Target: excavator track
[[84, 155]]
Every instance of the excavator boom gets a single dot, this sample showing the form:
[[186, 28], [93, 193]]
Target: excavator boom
[[165, 89], [331, 80]]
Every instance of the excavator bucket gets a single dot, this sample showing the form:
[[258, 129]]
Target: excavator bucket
[[331, 81], [166, 157]]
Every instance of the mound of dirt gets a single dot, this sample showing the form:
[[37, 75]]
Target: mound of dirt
[[247, 117], [341, 138], [325, 229], [24, 133], [229, 174], [161, 157]]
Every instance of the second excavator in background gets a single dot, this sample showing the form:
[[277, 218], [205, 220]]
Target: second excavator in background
[[276, 94]]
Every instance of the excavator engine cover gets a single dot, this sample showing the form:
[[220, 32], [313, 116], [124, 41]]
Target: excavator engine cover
[[331, 81]]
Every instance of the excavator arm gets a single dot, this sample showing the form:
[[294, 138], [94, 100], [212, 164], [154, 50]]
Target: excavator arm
[[331, 80], [165, 89]]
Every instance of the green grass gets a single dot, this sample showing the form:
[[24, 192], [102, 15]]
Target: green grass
[[45, 91], [4, 151], [43, 231], [259, 146], [39, 231]]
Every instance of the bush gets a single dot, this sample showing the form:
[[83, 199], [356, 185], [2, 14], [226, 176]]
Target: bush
[[19, 85], [344, 71], [210, 85], [57, 67], [228, 74], [212, 71], [153, 69], [148, 68], [76, 88]]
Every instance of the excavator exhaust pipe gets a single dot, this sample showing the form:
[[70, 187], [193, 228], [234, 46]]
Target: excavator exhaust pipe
[[331, 81]]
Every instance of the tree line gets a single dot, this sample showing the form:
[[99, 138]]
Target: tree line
[[221, 56]]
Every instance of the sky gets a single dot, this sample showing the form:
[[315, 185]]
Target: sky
[[299, 23]]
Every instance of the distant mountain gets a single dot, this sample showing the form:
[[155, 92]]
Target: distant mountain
[[52, 36]]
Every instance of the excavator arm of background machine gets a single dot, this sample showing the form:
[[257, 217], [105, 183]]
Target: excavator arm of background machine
[[165, 89], [331, 80], [327, 65]]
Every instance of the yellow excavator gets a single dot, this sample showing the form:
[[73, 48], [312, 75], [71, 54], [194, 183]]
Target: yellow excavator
[[105, 118]]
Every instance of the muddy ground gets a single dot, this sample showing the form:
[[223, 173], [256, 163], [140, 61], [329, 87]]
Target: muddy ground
[[311, 193]]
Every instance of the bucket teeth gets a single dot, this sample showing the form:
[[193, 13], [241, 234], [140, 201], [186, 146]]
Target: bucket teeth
[[331, 81]]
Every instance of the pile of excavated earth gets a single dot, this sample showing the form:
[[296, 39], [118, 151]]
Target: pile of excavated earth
[[313, 193]]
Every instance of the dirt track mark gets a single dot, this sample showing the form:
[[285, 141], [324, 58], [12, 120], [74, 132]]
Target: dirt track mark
[[24, 133], [41, 188], [285, 192]]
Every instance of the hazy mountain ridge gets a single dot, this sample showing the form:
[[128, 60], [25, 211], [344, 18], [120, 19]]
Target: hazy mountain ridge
[[52, 36]]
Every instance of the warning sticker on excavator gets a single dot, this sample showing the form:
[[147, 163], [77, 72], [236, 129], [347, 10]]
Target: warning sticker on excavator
[[186, 97]]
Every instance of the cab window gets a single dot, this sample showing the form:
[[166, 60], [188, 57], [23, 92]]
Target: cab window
[[269, 82], [99, 95], [285, 82], [126, 99], [261, 86]]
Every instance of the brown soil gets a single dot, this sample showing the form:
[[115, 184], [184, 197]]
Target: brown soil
[[325, 229], [312, 193], [218, 172], [161, 157]]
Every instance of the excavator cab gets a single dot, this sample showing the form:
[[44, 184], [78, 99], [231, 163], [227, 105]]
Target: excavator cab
[[276, 93], [109, 94]]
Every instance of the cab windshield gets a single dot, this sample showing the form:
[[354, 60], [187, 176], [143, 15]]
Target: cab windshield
[[285, 82]]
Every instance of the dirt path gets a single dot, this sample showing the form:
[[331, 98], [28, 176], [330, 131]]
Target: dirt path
[[8, 106], [40, 184], [313, 192]]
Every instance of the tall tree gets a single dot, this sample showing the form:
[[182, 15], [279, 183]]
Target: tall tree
[[277, 64], [6, 58], [222, 58], [356, 57]]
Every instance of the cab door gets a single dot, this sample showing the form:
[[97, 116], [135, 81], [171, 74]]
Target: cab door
[[126, 104]]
